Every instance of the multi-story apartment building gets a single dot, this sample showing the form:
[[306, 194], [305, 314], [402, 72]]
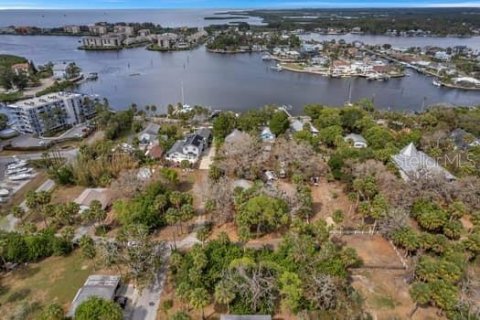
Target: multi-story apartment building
[[105, 41], [49, 113], [127, 30], [72, 29], [98, 29]]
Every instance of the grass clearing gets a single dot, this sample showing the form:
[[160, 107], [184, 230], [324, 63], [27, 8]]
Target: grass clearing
[[55, 279]]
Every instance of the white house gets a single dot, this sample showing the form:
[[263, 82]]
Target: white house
[[266, 135], [357, 141], [60, 71], [189, 149]]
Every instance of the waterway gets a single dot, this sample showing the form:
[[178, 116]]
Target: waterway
[[237, 82]]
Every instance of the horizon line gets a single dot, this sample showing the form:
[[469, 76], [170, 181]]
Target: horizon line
[[420, 6]]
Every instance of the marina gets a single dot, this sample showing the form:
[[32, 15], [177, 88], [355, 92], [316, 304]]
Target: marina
[[237, 82]]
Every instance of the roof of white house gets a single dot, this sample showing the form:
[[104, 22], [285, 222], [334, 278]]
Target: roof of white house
[[356, 138], [418, 164], [296, 125], [467, 79], [96, 285]]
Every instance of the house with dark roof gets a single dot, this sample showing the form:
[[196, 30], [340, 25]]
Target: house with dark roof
[[189, 149], [414, 164]]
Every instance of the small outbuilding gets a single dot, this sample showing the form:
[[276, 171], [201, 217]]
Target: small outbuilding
[[101, 286], [357, 141]]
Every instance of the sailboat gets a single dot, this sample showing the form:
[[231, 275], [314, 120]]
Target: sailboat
[[349, 102], [185, 107]]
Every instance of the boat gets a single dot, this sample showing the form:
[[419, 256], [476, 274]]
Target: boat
[[436, 83], [278, 67], [18, 170], [21, 176], [18, 164], [134, 74], [92, 76], [267, 57], [4, 192]]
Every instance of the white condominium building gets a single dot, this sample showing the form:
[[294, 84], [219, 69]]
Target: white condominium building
[[49, 112]]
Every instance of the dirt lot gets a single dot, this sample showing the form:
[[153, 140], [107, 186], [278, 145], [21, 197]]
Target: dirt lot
[[328, 197], [385, 290], [63, 194]]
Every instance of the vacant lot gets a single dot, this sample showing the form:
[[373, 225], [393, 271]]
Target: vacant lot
[[329, 197], [381, 281], [55, 279]]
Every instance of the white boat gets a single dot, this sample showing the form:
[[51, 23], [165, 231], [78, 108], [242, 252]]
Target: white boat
[[18, 164], [19, 170], [278, 67], [21, 176], [267, 57], [92, 76], [4, 192], [436, 83]]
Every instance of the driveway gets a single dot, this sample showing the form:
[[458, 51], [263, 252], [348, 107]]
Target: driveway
[[207, 159]]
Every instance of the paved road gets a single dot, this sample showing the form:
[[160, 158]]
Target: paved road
[[148, 301]]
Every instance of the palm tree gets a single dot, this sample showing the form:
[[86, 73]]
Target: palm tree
[[18, 212], [421, 294], [224, 294], [199, 299], [171, 218]]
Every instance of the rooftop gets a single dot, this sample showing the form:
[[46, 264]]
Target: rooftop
[[95, 285], [89, 194], [416, 164], [44, 100]]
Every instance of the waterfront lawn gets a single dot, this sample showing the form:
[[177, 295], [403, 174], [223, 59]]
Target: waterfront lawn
[[56, 279]]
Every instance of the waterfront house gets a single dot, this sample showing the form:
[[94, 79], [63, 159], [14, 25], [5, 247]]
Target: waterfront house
[[414, 164], [299, 124], [101, 286], [357, 141], [266, 135], [59, 71], [49, 112]]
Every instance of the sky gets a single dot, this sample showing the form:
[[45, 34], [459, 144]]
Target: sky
[[126, 4]]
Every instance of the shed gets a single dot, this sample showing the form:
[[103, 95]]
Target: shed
[[100, 286]]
